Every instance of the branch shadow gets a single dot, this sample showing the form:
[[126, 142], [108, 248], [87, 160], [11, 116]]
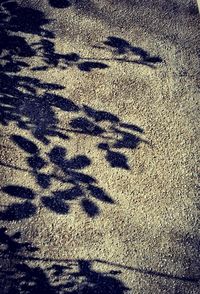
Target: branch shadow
[[21, 105], [23, 272], [71, 276], [119, 46]]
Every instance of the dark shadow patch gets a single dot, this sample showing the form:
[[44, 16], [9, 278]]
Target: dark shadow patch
[[59, 3], [71, 57], [85, 126], [78, 162], [193, 9], [131, 127], [115, 159], [55, 204], [99, 116], [36, 162], [39, 68], [76, 177], [19, 192], [57, 154], [122, 46], [99, 194], [43, 180], [153, 59], [11, 243], [25, 144], [69, 194], [90, 208], [27, 20], [103, 146], [61, 103], [119, 44], [17, 46], [128, 140], [18, 211], [89, 66], [53, 133], [139, 51], [36, 277]]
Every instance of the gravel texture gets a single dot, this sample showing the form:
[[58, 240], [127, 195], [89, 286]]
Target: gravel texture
[[99, 147]]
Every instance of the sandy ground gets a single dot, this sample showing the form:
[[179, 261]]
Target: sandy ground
[[99, 147]]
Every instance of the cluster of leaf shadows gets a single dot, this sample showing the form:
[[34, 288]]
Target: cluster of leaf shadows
[[30, 104], [21, 275], [23, 272], [82, 186]]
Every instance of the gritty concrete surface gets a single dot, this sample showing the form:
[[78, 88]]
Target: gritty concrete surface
[[99, 147]]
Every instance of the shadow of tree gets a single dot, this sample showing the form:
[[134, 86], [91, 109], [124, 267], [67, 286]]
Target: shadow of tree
[[19, 275], [22, 271], [122, 48], [21, 105], [81, 185]]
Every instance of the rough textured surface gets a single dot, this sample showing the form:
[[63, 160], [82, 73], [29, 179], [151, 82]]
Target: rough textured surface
[[99, 146]]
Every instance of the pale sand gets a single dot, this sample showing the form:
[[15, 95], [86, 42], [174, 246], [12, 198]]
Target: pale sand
[[145, 226]]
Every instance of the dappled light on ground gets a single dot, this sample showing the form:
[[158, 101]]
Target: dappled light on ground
[[22, 105]]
